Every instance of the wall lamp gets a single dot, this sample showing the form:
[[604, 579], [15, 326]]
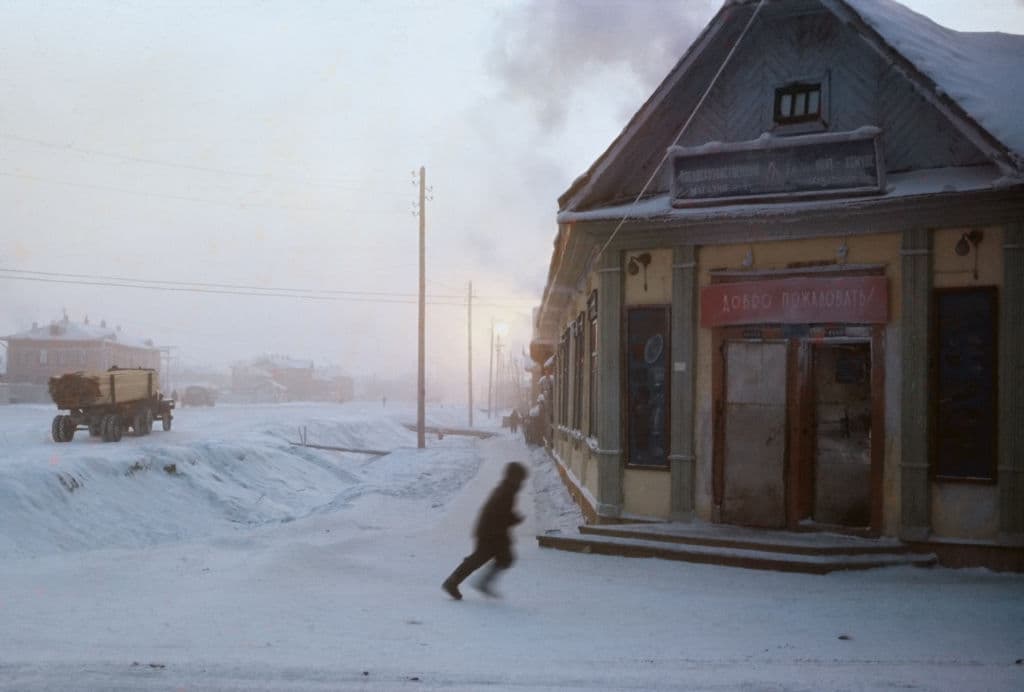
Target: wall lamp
[[968, 240], [634, 264]]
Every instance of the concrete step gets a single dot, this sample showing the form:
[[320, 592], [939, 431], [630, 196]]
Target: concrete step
[[722, 536], [731, 556]]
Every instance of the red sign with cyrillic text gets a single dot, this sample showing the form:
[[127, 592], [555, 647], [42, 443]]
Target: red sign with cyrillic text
[[798, 300]]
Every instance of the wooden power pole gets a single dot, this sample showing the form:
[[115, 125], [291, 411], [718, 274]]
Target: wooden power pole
[[421, 387], [469, 332]]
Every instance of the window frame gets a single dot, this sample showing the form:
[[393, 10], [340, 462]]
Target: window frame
[[577, 375], [629, 423], [937, 445], [818, 122], [592, 383]]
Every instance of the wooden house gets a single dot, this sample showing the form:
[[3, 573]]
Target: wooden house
[[790, 294]]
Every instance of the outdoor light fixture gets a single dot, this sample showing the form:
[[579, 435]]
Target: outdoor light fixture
[[633, 266], [967, 241], [842, 252]]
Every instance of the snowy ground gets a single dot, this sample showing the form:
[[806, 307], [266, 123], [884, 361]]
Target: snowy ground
[[218, 556]]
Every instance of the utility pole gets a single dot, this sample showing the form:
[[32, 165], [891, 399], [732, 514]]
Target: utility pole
[[490, 373], [469, 332], [421, 387]]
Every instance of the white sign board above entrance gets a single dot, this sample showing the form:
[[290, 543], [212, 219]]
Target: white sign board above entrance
[[779, 168]]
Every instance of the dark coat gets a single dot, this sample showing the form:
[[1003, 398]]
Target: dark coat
[[497, 515]]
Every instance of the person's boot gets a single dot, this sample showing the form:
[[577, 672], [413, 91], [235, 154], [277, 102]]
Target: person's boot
[[485, 584], [452, 589]]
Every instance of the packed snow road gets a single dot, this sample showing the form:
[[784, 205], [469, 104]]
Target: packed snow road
[[219, 556]]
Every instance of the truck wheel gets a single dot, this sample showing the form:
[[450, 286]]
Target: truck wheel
[[149, 421], [116, 427], [96, 429], [105, 427], [139, 424], [56, 430], [112, 428], [167, 421], [67, 428]]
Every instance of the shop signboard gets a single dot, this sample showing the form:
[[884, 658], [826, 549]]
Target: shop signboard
[[796, 300], [778, 169]]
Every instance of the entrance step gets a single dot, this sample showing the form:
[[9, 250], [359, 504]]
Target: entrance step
[[732, 546]]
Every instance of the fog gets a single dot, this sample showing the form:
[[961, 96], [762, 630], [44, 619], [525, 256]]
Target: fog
[[234, 179]]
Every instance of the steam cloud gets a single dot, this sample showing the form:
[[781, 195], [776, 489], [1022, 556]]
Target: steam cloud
[[548, 46]]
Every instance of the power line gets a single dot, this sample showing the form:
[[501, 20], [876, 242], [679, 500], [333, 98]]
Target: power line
[[249, 293], [169, 164], [157, 283], [187, 198]]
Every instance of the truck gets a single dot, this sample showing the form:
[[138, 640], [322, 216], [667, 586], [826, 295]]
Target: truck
[[108, 403]]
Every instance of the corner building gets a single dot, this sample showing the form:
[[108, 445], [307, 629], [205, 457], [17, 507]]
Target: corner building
[[790, 294]]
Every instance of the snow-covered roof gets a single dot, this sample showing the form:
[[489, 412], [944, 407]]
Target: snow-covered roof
[[73, 331], [932, 181], [982, 71], [284, 362]]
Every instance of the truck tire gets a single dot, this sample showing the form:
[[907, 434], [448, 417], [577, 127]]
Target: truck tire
[[143, 422], [67, 428], [56, 430], [112, 428], [96, 429], [167, 421]]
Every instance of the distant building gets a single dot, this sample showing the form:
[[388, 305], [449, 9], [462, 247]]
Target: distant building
[[271, 379], [42, 352]]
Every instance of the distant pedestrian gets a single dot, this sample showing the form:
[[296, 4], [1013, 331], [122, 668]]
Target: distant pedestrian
[[513, 421], [384, 401], [493, 541]]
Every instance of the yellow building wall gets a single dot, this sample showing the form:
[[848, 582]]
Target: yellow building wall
[[646, 493], [659, 279], [572, 447]]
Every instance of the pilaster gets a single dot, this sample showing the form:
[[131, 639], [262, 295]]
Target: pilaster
[[684, 324], [1011, 384], [609, 409], [916, 284]]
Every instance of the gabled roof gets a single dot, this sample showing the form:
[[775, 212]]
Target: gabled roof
[[982, 72], [977, 79]]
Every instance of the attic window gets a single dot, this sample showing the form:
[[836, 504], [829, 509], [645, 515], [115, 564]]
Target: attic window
[[798, 103]]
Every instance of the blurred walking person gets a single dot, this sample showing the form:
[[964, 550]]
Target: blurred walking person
[[493, 539]]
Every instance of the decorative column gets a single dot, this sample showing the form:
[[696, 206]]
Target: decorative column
[[916, 284], [1011, 384], [684, 339], [609, 367]]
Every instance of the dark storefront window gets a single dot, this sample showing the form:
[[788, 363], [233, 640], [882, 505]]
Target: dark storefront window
[[592, 343], [577, 373], [563, 379], [647, 356], [964, 433]]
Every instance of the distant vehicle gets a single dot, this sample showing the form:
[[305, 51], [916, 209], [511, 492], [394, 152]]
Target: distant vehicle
[[108, 403], [198, 396]]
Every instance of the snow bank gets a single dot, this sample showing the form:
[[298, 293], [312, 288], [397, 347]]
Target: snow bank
[[218, 470]]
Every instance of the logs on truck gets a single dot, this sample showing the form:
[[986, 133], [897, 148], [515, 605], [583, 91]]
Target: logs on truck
[[108, 404]]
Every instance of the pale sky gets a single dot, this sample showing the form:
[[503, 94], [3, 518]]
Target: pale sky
[[272, 144]]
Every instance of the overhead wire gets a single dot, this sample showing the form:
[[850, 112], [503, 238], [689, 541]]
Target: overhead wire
[[263, 293], [171, 164], [682, 131], [188, 198], [97, 279]]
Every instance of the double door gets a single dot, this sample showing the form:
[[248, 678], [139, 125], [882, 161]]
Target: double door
[[798, 430]]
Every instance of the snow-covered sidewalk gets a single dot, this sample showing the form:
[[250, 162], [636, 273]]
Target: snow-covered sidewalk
[[337, 586]]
